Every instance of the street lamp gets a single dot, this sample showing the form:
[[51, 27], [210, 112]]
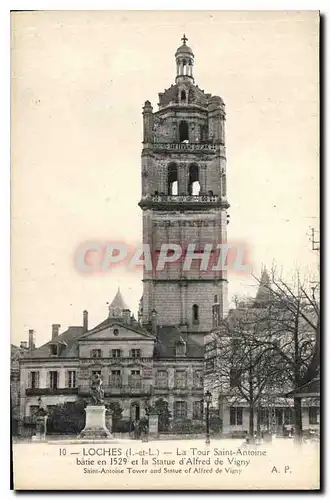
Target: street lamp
[[208, 400]]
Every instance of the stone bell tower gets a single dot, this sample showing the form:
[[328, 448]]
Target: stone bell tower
[[184, 201]]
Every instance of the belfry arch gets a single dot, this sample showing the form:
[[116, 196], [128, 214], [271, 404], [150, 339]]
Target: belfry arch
[[172, 179], [194, 186]]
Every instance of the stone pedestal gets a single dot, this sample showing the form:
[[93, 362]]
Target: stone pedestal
[[41, 427], [95, 427], [108, 420], [153, 425]]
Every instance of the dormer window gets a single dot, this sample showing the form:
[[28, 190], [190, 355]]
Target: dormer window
[[180, 349], [53, 348], [183, 95], [96, 353]]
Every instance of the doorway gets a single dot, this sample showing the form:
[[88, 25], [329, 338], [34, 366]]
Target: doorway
[[135, 412]]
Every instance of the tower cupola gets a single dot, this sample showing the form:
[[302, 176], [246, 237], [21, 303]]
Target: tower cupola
[[184, 57]]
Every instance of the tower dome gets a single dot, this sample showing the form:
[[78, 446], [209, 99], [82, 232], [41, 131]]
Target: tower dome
[[184, 49], [184, 57]]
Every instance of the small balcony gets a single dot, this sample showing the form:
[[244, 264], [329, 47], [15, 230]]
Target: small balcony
[[197, 389], [160, 389], [180, 390], [50, 391], [128, 390], [123, 390]]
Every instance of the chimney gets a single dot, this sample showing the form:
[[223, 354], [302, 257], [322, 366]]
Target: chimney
[[154, 322], [23, 344], [31, 340], [55, 330], [85, 321], [126, 316]]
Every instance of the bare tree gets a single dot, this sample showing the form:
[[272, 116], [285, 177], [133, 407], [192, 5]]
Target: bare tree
[[269, 346], [245, 367], [294, 327]]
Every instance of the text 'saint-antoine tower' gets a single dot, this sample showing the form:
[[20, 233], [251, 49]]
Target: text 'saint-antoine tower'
[[184, 201]]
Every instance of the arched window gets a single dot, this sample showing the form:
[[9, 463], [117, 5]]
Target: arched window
[[193, 183], [184, 131], [195, 313], [172, 179], [183, 95], [215, 299]]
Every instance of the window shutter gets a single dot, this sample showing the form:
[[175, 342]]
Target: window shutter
[[37, 380], [29, 380], [66, 378], [48, 379], [130, 353]]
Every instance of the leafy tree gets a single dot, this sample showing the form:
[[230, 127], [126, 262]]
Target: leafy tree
[[160, 407], [116, 412], [67, 418]]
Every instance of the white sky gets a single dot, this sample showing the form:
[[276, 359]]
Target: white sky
[[79, 82]]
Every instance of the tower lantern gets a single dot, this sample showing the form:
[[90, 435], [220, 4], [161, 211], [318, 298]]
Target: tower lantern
[[184, 57]]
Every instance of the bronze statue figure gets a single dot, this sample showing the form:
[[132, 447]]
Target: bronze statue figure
[[97, 389]]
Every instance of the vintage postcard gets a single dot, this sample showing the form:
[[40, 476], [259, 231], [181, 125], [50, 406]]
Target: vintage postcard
[[165, 250]]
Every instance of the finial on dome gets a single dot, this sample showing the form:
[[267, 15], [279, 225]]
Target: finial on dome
[[184, 39]]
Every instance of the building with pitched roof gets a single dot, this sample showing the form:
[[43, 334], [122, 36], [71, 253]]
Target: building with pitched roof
[[137, 367]]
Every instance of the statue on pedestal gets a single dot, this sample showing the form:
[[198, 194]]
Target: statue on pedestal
[[41, 420], [42, 408], [97, 389]]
